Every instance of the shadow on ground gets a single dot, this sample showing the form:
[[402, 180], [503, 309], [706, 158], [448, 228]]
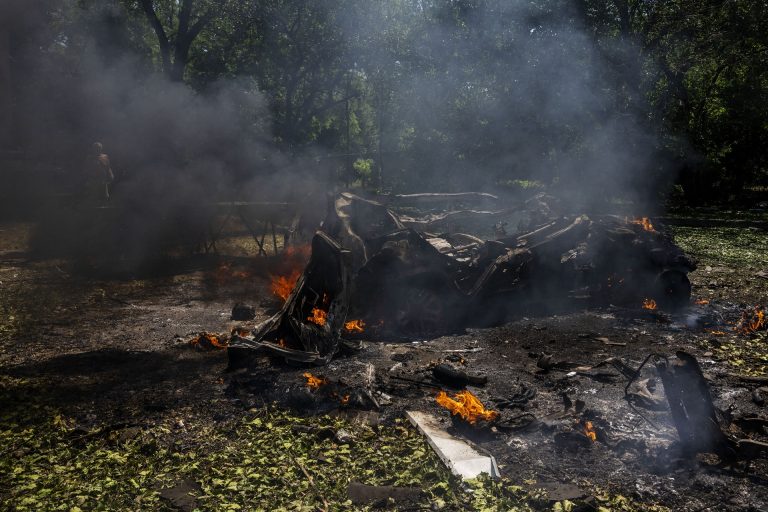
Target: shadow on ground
[[116, 384]]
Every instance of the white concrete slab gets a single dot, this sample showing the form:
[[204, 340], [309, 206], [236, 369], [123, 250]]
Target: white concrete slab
[[461, 458]]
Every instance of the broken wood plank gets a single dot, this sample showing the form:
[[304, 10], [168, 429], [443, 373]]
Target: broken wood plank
[[463, 460]]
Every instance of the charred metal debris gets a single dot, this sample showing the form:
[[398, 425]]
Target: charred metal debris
[[391, 268]]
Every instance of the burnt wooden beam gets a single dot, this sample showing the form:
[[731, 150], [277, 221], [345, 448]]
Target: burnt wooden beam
[[691, 405]]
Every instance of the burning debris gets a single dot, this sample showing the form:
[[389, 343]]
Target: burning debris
[[390, 270], [650, 304], [314, 382], [208, 341], [466, 406], [318, 317], [354, 326], [589, 431], [283, 285], [751, 321], [645, 222], [313, 315]]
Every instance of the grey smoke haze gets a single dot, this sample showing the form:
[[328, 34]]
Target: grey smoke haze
[[71, 89], [173, 150], [519, 91], [542, 99], [538, 99]]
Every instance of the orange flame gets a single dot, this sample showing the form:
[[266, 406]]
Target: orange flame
[[282, 286], [355, 326], [701, 302], [318, 316], [466, 405], [209, 341], [752, 320], [589, 431], [313, 382], [240, 331], [645, 222], [344, 400], [649, 304]]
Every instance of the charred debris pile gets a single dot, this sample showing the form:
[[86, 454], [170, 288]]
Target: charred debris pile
[[400, 268], [407, 269]]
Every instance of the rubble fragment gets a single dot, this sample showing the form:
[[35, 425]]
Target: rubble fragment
[[447, 374], [243, 312], [463, 460]]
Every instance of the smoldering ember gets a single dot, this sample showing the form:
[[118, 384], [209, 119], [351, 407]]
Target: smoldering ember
[[441, 255]]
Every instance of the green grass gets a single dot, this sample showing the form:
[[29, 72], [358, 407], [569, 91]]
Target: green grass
[[717, 214], [740, 249], [724, 245], [746, 356]]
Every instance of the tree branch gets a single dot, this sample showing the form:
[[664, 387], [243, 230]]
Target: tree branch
[[162, 37]]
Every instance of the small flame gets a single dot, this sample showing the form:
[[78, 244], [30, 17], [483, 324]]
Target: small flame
[[717, 333], [589, 431], [701, 302], [281, 343], [649, 304], [355, 326], [313, 382], [752, 320], [344, 400], [318, 316], [209, 341], [282, 286], [645, 222], [240, 331], [466, 405]]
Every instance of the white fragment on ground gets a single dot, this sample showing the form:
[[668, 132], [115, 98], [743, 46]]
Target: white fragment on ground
[[461, 459]]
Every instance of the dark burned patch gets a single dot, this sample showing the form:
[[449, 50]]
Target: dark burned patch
[[372, 264], [636, 451]]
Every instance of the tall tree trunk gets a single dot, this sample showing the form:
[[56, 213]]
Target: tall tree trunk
[[162, 37], [183, 42]]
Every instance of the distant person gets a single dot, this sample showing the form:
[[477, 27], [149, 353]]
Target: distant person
[[98, 175]]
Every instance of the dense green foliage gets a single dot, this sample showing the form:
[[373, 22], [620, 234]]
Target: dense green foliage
[[627, 94]]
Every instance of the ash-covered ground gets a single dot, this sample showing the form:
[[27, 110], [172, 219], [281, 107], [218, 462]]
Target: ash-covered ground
[[113, 350]]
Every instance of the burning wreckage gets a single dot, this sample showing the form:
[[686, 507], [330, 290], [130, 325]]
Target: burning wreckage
[[380, 270]]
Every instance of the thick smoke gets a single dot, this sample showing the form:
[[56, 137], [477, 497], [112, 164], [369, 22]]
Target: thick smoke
[[479, 95], [176, 153], [520, 91]]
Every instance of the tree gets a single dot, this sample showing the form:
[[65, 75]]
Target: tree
[[177, 24]]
